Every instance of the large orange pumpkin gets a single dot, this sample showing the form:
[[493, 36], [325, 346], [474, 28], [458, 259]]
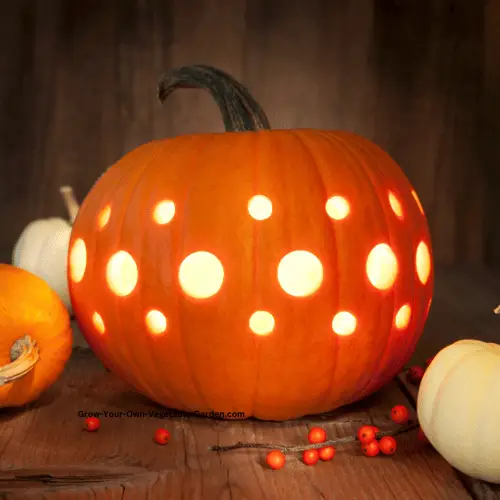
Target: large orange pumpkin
[[274, 273], [35, 336]]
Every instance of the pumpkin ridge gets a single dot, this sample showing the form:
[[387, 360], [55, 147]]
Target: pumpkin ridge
[[365, 172], [302, 138]]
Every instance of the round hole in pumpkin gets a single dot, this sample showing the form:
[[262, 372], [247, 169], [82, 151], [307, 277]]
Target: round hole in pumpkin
[[164, 212], [395, 205], [261, 323], [201, 275], [382, 267], [337, 207], [103, 217], [122, 273], [300, 273], [156, 322], [403, 316], [77, 260], [417, 200], [260, 207], [423, 262], [98, 323], [344, 323]]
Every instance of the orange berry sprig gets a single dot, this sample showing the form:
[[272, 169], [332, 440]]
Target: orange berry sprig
[[370, 437]]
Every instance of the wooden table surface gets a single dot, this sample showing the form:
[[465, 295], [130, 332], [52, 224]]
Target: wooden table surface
[[46, 454]]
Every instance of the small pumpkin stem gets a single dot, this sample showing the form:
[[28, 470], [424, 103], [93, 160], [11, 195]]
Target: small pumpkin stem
[[240, 111], [70, 201], [497, 309], [24, 355]]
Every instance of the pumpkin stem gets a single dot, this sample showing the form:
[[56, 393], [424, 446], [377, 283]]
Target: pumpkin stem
[[240, 111], [70, 201], [24, 355], [497, 309]]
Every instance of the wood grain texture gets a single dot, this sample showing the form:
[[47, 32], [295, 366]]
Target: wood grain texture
[[420, 78], [45, 453], [479, 490]]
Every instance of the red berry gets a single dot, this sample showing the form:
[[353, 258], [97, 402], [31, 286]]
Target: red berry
[[428, 361], [275, 459], [317, 435], [92, 424], [399, 414], [310, 457], [415, 374], [370, 449], [375, 429], [421, 436], [326, 453], [388, 445], [366, 434], [162, 436]]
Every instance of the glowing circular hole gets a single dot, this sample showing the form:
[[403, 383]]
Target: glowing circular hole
[[156, 322], [260, 207], [337, 207], [344, 323], [423, 262], [201, 275], [382, 267], [300, 273], [395, 205], [261, 323], [122, 274], [103, 217], [403, 316], [164, 212], [417, 200], [78, 260], [98, 323]]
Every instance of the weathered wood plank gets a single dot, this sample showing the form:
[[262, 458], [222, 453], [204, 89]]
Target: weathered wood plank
[[44, 452]]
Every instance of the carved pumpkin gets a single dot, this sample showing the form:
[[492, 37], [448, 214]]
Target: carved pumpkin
[[35, 336], [271, 272], [459, 407]]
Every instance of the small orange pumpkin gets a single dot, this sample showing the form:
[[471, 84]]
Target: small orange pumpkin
[[35, 336], [275, 273]]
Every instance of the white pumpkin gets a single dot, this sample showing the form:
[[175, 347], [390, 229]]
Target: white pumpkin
[[458, 407], [43, 245]]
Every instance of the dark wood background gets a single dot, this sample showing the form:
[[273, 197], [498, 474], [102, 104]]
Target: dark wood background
[[419, 77]]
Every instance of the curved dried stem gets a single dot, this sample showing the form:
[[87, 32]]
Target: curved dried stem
[[24, 355], [70, 202]]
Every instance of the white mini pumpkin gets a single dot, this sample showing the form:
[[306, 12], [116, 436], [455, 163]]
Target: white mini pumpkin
[[42, 248], [458, 407]]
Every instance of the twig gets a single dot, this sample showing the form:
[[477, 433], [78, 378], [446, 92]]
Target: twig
[[302, 447]]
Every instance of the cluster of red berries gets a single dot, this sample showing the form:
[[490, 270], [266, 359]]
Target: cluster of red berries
[[276, 459], [416, 373], [367, 435], [92, 424]]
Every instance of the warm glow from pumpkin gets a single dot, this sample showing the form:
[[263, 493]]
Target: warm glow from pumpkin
[[337, 207], [103, 217], [300, 273], [382, 267], [261, 323], [260, 207], [156, 322], [98, 323], [164, 212], [420, 207], [423, 262], [395, 205], [344, 323], [78, 260], [403, 316], [122, 274], [201, 275]]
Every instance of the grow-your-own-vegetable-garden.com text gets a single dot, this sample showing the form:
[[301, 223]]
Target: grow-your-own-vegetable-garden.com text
[[157, 414]]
